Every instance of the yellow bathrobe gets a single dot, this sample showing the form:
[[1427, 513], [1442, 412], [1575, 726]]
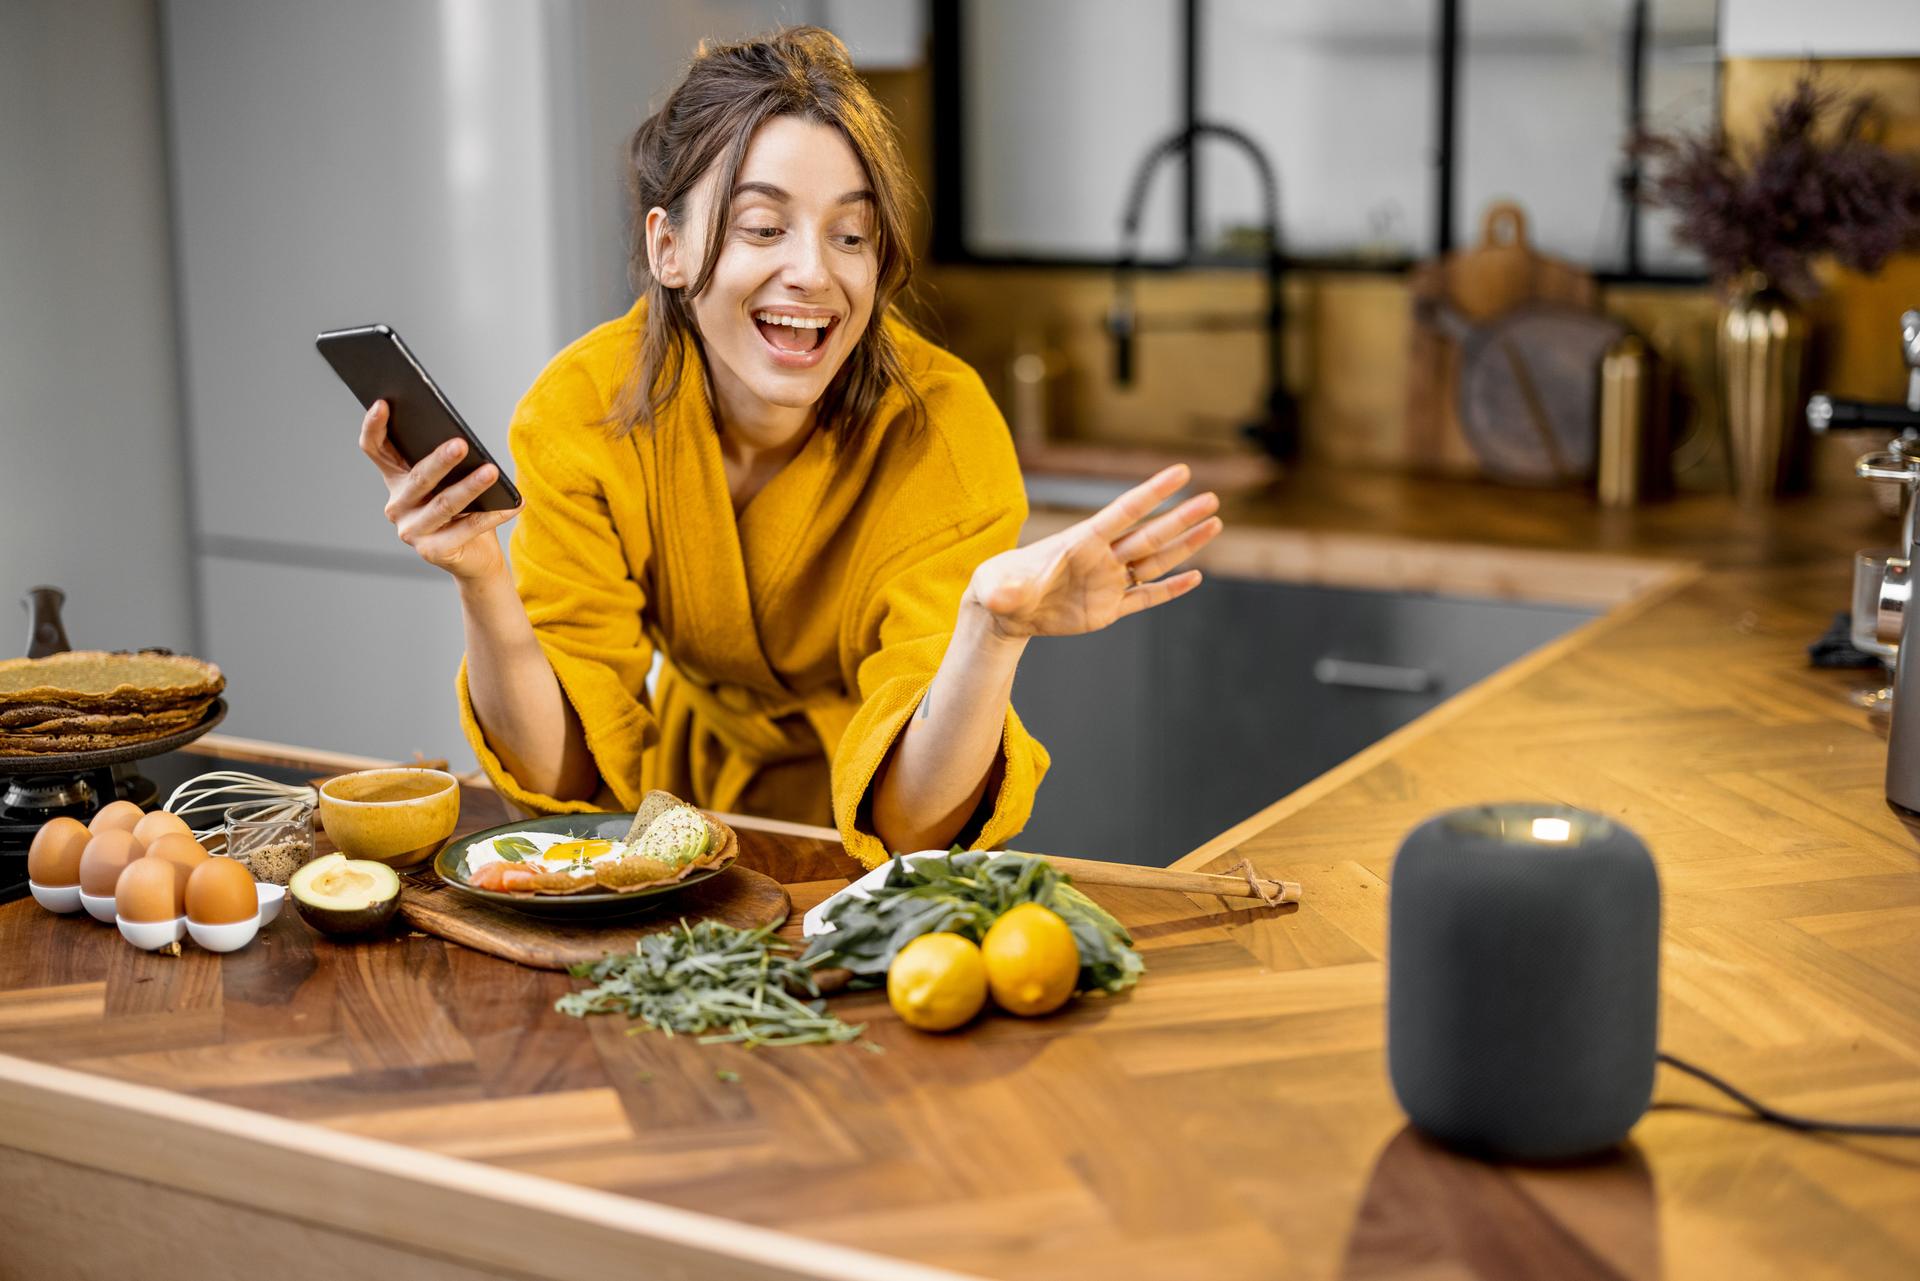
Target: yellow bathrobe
[[798, 638]]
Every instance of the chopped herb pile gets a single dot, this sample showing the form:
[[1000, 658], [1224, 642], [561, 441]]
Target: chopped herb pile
[[964, 892], [713, 981]]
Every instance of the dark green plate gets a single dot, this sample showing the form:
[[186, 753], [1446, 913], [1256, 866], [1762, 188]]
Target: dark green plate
[[451, 864]]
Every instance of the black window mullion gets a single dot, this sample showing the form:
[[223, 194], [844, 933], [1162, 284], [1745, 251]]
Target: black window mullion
[[1446, 78], [947, 210], [1636, 95], [1189, 115]]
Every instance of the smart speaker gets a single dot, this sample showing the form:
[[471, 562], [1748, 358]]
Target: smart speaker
[[1523, 962]]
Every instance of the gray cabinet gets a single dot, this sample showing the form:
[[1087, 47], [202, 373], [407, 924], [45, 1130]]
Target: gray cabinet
[[1168, 728], [1089, 700]]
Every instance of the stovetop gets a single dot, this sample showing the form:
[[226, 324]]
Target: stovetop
[[28, 800]]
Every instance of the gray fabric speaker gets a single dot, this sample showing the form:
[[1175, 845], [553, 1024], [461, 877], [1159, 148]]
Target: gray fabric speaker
[[1523, 967]]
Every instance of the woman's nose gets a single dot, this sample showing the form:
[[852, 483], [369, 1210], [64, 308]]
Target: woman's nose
[[806, 266]]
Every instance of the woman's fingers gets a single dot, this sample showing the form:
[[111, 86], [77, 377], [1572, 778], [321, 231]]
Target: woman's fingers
[[443, 545], [1124, 512], [414, 489], [1173, 553], [1163, 530], [444, 506], [1159, 592]]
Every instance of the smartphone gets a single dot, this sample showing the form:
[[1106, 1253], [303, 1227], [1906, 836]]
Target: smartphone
[[375, 365]]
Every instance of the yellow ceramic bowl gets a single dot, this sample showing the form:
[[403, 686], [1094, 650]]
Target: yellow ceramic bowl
[[394, 816]]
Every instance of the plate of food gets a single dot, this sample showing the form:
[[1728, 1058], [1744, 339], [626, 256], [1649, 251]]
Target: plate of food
[[591, 865]]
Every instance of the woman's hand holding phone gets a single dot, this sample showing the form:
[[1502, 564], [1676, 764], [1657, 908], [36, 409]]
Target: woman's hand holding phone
[[432, 523]]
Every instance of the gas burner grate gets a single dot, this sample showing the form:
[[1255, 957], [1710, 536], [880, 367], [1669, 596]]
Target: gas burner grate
[[29, 800]]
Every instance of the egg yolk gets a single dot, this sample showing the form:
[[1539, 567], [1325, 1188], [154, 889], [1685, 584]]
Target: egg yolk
[[570, 851]]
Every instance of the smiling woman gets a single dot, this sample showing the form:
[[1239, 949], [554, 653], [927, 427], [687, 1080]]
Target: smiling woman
[[763, 475]]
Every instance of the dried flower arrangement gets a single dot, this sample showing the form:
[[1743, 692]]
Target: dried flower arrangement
[[1816, 183]]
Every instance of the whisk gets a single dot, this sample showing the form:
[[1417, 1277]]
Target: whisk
[[235, 794]]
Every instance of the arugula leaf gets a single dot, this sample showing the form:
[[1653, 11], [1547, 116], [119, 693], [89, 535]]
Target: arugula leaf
[[515, 849]]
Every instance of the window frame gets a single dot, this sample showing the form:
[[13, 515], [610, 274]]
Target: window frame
[[950, 245]]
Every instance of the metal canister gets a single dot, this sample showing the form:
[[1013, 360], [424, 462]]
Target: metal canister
[[1635, 462]]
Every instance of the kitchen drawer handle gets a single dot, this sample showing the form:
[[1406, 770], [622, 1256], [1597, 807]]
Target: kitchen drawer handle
[[1351, 675]]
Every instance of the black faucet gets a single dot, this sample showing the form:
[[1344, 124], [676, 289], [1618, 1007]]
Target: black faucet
[[1279, 431]]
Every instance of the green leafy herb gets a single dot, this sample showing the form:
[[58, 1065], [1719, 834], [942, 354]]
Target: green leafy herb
[[713, 981], [724, 1074], [964, 892], [515, 848]]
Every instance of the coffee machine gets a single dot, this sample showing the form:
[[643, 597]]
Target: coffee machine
[[1898, 462]]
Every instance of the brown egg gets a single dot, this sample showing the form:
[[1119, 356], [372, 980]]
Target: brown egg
[[106, 855], [150, 889], [184, 854], [121, 816], [54, 856], [178, 847], [220, 892], [153, 826]]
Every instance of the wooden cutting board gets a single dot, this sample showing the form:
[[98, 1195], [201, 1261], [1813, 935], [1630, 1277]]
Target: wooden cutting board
[[738, 896], [1501, 273]]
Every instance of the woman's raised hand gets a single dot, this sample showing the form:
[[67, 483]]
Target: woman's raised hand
[[430, 523], [1102, 569]]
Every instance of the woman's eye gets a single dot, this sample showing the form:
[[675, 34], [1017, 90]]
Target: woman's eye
[[762, 233], [853, 241]]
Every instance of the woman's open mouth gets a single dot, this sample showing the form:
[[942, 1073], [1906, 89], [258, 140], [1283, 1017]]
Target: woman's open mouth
[[794, 341]]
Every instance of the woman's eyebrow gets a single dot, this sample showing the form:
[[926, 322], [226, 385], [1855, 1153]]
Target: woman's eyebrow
[[771, 192]]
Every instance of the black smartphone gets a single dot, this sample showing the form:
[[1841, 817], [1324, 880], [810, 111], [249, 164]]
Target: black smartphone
[[375, 365]]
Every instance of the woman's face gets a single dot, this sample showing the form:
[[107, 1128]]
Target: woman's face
[[792, 292]]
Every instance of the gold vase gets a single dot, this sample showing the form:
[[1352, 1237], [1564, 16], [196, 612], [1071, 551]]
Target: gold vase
[[1763, 353]]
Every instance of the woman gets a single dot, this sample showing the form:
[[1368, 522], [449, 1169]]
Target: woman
[[763, 474]]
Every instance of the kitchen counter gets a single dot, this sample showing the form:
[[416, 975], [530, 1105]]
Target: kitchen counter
[[409, 1104]]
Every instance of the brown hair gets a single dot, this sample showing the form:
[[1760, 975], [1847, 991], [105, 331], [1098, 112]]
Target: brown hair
[[709, 119]]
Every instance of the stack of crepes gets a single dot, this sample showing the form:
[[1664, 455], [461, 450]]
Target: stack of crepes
[[84, 700]]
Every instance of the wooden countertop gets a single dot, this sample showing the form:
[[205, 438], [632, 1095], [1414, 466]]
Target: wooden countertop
[[1229, 1118]]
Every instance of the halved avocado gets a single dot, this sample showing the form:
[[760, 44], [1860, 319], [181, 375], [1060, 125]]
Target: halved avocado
[[340, 895]]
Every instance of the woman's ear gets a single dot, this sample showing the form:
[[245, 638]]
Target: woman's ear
[[663, 250]]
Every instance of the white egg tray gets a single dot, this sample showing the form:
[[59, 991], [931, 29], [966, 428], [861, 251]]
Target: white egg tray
[[151, 935]]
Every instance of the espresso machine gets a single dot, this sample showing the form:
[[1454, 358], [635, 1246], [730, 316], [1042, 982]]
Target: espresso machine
[[1891, 625]]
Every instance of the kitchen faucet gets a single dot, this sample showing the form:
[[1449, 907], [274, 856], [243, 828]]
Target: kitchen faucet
[[1278, 432]]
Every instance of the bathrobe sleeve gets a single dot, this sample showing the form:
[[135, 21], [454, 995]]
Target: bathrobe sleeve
[[903, 618], [581, 581]]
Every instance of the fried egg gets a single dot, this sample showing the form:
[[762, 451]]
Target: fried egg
[[550, 852]]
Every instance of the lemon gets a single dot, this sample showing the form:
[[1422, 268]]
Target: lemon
[[1032, 963], [937, 982]]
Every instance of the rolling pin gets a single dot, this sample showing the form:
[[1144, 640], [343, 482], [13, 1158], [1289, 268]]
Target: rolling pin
[[1243, 883]]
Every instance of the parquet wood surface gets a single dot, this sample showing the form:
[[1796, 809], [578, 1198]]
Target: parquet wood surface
[[1231, 1117]]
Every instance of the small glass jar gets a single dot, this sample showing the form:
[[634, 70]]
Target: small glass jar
[[273, 846], [1869, 570]]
